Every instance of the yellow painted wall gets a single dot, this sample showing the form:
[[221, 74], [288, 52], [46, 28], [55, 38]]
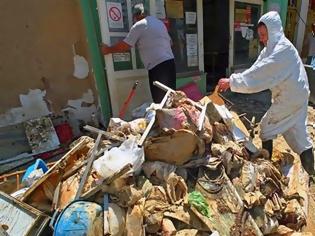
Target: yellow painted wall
[[36, 51]]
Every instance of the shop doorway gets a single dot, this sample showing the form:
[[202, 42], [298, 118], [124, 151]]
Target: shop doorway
[[216, 40]]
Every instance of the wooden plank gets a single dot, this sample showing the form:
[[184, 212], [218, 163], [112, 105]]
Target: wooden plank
[[88, 166], [36, 196], [22, 219], [106, 134], [152, 121], [116, 175], [165, 88]]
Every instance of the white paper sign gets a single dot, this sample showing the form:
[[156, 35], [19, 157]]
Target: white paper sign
[[115, 16], [119, 57], [190, 17], [192, 49], [159, 9]]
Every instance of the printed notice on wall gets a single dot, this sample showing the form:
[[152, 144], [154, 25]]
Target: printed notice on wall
[[120, 57], [192, 49], [159, 9], [114, 14], [190, 17]]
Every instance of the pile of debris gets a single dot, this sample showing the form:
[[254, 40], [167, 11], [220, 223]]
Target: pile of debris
[[183, 168]]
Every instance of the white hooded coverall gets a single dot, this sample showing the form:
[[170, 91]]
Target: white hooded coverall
[[280, 69]]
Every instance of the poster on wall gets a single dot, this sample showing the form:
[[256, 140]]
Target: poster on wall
[[115, 16], [192, 50], [190, 17], [120, 57]]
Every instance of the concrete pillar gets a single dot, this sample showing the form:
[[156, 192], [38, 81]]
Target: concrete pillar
[[299, 34]]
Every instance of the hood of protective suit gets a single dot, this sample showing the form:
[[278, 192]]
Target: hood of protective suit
[[273, 23]]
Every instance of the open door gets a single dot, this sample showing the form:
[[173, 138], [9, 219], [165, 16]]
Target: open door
[[216, 40], [244, 43]]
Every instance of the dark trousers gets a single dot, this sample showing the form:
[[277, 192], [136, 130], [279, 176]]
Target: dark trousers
[[165, 73]]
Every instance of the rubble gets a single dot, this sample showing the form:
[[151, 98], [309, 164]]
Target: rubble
[[186, 169]]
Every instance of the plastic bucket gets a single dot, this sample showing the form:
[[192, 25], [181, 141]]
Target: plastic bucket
[[80, 218], [39, 164]]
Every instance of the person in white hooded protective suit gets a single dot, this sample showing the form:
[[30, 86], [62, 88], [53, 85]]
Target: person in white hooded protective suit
[[280, 69]]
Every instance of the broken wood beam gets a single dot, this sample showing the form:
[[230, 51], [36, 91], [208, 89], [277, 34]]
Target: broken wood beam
[[88, 166], [165, 88], [106, 134], [150, 125], [107, 181]]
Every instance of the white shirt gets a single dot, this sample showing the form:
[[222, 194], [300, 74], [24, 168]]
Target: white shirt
[[153, 41]]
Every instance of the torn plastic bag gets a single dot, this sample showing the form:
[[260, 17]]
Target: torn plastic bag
[[158, 169], [197, 200], [184, 117], [116, 158], [32, 177], [140, 111], [173, 118]]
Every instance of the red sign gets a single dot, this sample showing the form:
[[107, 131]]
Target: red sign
[[114, 13]]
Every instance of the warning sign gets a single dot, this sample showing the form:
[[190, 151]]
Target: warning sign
[[114, 14]]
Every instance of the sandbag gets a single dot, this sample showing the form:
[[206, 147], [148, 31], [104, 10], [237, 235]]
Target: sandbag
[[176, 147]]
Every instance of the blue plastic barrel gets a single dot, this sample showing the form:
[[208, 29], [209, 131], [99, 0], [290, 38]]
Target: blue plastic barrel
[[80, 218], [39, 164]]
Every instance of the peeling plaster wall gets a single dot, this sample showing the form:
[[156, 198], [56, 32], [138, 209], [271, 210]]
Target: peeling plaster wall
[[36, 58]]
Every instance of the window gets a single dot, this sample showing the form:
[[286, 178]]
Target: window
[[246, 43]]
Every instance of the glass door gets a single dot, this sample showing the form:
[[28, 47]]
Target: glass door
[[244, 45]]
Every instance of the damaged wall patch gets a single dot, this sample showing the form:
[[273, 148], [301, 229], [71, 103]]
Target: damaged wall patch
[[82, 108], [33, 106]]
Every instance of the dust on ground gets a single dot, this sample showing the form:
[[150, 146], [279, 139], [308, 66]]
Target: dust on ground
[[256, 105]]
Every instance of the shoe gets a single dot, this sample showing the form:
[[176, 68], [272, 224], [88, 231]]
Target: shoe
[[307, 160], [268, 146]]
